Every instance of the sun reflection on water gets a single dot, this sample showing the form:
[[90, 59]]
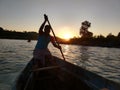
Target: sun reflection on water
[[66, 49]]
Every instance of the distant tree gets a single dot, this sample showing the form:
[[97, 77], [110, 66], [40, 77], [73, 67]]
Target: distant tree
[[84, 30], [1, 32], [110, 36], [100, 37], [118, 35], [1, 29]]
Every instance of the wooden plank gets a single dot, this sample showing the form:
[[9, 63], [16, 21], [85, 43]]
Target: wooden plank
[[45, 68]]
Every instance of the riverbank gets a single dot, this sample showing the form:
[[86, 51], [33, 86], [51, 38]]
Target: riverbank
[[101, 41], [113, 42]]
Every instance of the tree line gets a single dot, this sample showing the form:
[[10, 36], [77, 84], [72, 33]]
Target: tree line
[[109, 41], [12, 34], [87, 38]]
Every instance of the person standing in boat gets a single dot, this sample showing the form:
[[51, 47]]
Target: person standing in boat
[[41, 50]]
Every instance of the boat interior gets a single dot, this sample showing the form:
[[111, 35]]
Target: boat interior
[[51, 77]]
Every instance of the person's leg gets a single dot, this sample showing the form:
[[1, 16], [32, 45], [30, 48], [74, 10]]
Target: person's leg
[[48, 56], [40, 56]]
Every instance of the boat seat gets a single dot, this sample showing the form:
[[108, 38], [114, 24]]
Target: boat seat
[[46, 68]]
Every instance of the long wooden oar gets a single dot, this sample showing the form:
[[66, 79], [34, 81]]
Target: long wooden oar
[[56, 39]]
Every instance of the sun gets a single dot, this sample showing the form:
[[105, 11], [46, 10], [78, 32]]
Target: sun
[[67, 36], [66, 33]]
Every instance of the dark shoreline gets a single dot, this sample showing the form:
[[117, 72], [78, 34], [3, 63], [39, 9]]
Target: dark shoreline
[[104, 46], [109, 41]]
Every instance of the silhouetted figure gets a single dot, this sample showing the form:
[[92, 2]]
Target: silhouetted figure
[[29, 40], [41, 50], [84, 30]]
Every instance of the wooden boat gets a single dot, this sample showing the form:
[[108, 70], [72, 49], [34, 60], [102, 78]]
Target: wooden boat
[[61, 75]]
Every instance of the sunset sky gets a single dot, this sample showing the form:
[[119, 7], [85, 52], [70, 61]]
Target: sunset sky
[[65, 15]]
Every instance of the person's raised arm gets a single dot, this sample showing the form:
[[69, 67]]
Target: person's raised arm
[[43, 24]]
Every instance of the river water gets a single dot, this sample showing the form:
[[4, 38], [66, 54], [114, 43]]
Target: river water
[[15, 54]]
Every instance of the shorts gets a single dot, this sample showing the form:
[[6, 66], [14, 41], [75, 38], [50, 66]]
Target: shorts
[[41, 54]]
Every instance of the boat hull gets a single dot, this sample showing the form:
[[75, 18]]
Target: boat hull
[[61, 75]]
